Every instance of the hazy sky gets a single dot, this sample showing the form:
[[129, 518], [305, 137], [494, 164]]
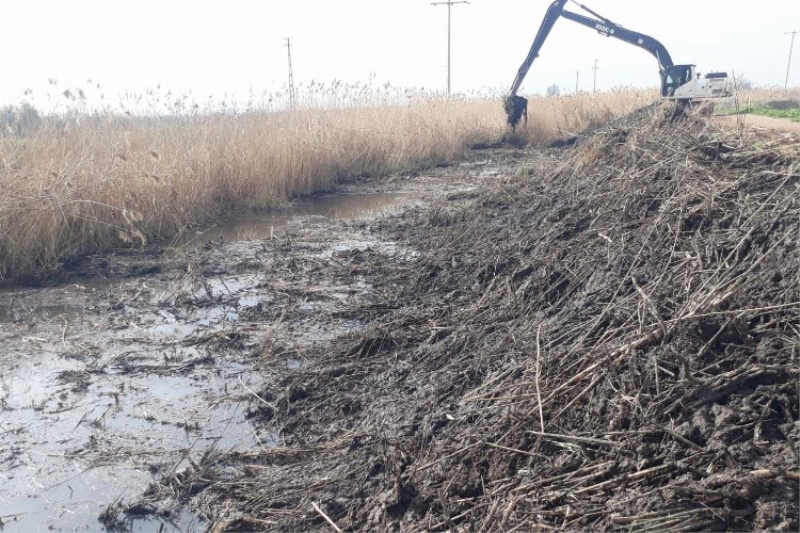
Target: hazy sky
[[219, 47]]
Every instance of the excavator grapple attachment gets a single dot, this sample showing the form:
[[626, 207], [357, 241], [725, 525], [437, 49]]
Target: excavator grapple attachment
[[516, 108]]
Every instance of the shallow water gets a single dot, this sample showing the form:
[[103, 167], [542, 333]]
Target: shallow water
[[330, 207], [106, 384]]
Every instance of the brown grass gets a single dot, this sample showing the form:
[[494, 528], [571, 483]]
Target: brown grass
[[550, 118], [106, 181], [747, 97], [765, 95]]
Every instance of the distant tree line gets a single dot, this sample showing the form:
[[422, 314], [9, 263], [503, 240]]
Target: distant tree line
[[19, 120], [23, 120]]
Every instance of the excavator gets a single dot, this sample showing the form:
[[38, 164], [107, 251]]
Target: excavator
[[678, 82]]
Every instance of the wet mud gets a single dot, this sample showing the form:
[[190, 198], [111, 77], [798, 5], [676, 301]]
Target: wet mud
[[599, 336], [146, 362], [607, 340]]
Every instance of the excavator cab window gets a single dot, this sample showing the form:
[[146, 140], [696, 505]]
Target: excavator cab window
[[676, 76]]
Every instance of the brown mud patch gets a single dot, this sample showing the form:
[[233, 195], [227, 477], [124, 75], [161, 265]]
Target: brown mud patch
[[611, 344]]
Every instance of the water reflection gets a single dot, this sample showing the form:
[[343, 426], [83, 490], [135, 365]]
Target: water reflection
[[268, 225]]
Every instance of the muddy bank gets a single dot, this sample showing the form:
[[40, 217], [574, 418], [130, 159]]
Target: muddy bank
[[608, 345], [147, 362]]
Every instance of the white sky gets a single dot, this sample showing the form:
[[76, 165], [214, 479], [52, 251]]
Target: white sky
[[227, 47]]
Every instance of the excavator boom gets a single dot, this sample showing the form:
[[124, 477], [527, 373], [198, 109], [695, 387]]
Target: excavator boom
[[550, 18]]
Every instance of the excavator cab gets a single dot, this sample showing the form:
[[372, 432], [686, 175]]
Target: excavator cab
[[674, 77], [682, 82]]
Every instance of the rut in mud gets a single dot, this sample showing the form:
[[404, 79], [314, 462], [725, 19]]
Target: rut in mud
[[613, 344]]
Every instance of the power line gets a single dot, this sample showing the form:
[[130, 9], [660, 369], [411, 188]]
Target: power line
[[789, 63], [291, 74], [449, 4]]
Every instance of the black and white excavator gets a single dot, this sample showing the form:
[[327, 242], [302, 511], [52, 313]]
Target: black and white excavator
[[678, 82]]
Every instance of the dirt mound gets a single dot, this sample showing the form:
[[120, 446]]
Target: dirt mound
[[610, 346]]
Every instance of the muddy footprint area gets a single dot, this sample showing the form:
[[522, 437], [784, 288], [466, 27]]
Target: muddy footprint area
[[145, 363]]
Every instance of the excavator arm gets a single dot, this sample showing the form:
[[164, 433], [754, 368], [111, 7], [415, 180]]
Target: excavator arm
[[516, 106], [553, 12]]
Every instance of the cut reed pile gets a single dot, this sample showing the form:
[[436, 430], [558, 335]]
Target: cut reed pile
[[105, 181], [611, 346]]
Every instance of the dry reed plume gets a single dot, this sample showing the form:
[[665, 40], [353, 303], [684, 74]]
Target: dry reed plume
[[103, 181]]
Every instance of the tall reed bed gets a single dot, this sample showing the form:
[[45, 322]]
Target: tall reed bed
[[768, 94], [100, 181], [553, 117]]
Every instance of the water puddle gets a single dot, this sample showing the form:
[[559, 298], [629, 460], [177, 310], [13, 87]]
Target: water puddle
[[82, 432], [331, 207], [108, 384]]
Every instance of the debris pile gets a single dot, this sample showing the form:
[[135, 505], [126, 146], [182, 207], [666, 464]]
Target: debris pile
[[611, 345]]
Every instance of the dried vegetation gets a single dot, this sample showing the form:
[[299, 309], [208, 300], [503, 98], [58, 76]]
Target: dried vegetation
[[611, 344], [90, 183]]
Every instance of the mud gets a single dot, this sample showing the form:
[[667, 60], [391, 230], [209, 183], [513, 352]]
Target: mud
[[602, 336], [606, 340], [145, 362]]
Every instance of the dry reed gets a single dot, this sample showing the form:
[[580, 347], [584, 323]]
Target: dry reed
[[110, 180]]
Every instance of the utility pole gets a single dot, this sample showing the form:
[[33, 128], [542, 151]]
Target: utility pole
[[789, 63], [594, 89], [291, 74], [449, 4], [577, 77]]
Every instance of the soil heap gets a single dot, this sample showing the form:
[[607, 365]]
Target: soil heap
[[612, 345]]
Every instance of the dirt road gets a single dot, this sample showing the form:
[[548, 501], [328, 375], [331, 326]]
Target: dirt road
[[759, 122]]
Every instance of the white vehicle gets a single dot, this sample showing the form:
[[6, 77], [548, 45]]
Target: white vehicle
[[681, 82]]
